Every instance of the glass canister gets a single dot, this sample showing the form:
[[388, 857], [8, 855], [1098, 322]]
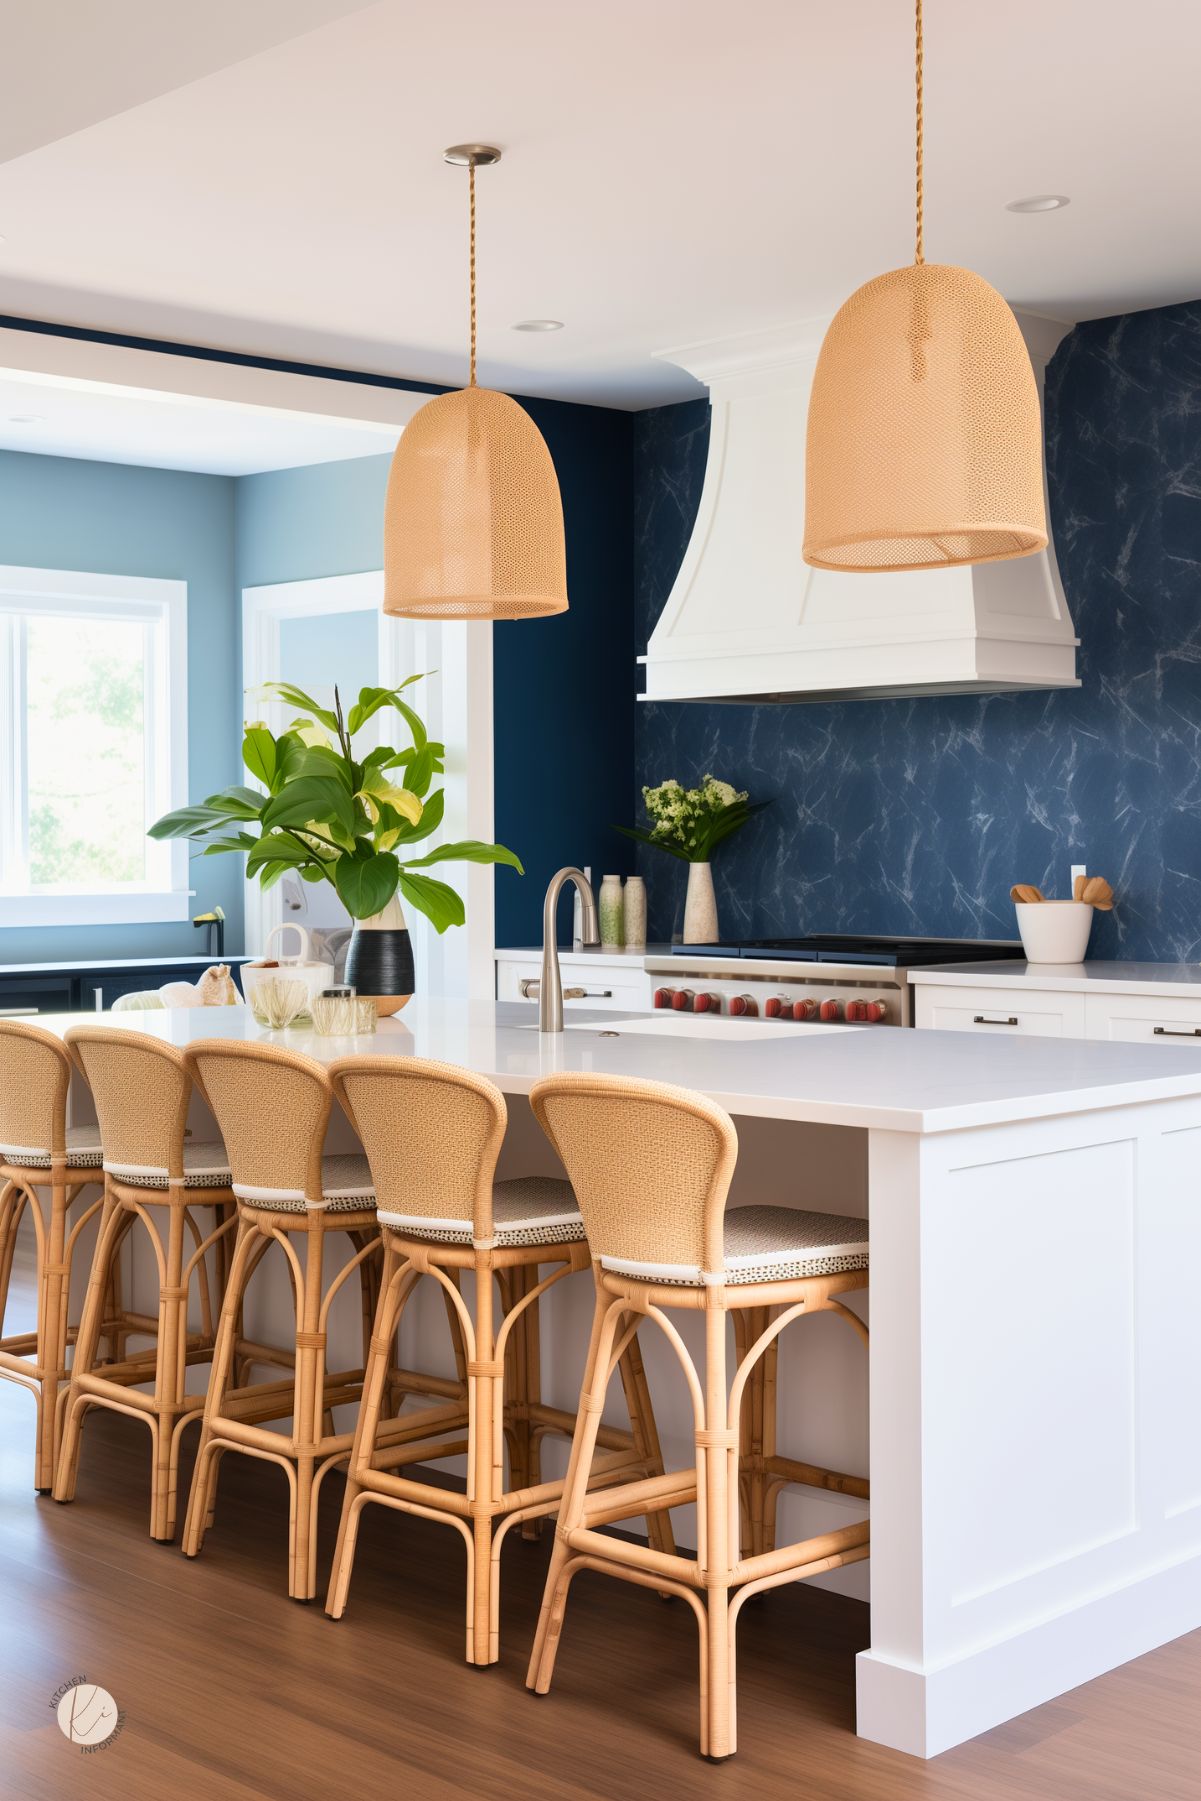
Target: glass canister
[[335, 1012], [612, 913]]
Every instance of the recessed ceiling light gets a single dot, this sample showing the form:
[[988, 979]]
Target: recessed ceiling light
[[539, 325], [1038, 203], [26, 418]]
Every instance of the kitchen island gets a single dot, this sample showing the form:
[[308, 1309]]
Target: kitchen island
[[1035, 1372]]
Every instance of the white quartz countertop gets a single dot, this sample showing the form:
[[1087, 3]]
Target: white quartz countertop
[[1163, 979], [595, 953], [896, 1080]]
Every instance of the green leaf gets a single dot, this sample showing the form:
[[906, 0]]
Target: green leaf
[[440, 904], [236, 803], [311, 798], [431, 818], [468, 850], [372, 699], [188, 822], [274, 847], [420, 771], [296, 697], [365, 883], [259, 753], [315, 759], [243, 841], [641, 837]]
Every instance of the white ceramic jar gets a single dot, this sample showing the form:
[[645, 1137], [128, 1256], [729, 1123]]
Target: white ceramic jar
[[1054, 931]]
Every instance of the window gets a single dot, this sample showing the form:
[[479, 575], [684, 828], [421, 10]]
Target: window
[[93, 747]]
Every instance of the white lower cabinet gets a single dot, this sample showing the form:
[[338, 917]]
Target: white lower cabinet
[[1142, 1019], [1001, 1011], [1121, 1018], [608, 987]]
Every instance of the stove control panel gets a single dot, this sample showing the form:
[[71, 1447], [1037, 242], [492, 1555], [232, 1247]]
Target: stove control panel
[[809, 1005]]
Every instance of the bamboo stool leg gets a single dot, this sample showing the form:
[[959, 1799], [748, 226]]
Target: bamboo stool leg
[[516, 1422], [375, 1386], [605, 1320], [14, 1201], [307, 1409], [52, 1335], [716, 1461], [532, 1529], [485, 1483], [112, 1229], [646, 1439], [200, 1500], [168, 1385]]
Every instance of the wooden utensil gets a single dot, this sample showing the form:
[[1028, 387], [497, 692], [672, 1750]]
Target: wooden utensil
[[1097, 892], [1026, 893], [1078, 887]]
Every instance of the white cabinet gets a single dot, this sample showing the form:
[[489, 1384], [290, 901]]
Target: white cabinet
[[1121, 1014], [1143, 1019], [618, 984], [1005, 1012]]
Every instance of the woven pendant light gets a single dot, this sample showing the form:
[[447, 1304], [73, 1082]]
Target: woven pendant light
[[925, 430], [473, 521]]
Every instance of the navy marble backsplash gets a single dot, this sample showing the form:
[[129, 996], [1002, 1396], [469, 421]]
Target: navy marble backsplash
[[916, 816]]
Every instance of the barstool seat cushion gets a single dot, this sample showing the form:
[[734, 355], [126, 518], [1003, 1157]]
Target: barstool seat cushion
[[204, 1165], [83, 1151], [525, 1210], [767, 1244], [346, 1187]]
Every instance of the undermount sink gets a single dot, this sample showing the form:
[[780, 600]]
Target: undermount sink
[[686, 1025]]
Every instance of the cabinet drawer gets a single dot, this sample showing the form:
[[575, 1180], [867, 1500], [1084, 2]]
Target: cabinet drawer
[[1001, 1011], [1141, 1019], [607, 989]]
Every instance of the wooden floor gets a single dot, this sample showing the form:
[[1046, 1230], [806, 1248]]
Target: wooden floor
[[233, 1693]]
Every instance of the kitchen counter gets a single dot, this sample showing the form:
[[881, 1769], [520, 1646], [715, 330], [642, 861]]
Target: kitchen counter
[[1165, 979], [850, 1076], [1035, 1364]]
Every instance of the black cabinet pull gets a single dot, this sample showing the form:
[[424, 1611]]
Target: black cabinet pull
[[982, 1019]]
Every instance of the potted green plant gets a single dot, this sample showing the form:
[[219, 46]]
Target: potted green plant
[[690, 823], [332, 816]]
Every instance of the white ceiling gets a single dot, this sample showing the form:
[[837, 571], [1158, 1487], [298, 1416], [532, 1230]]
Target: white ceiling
[[53, 417], [674, 170]]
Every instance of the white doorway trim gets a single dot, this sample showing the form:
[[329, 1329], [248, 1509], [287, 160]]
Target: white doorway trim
[[456, 702]]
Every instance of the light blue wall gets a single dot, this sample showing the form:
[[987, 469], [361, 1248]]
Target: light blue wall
[[296, 524], [317, 652], [115, 519]]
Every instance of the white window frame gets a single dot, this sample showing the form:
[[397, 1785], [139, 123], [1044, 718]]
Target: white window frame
[[456, 703], [161, 606]]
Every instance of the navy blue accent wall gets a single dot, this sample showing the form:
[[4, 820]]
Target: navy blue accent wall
[[916, 816], [563, 694]]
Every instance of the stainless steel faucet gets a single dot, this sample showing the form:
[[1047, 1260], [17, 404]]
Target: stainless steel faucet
[[550, 986]]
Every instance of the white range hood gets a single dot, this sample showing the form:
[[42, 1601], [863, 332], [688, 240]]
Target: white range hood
[[749, 620]]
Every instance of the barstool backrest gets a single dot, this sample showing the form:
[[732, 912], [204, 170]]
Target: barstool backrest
[[272, 1107], [432, 1133], [141, 1090], [650, 1165], [35, 1072]]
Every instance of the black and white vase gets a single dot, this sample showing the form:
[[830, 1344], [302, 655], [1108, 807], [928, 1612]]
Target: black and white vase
[[379, 962]]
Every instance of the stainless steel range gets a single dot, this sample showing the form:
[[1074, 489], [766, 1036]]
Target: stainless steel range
[[818, 980]]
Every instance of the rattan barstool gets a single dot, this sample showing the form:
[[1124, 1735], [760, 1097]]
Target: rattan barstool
[[273, 1107], [432, 1133], [156, 1176], [651, 1166], [44, 1167]]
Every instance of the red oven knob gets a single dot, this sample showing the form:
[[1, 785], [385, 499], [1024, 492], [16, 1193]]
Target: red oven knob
[[663, 997], [707, 1003], [856, 1010], [803, 1010], [681, 1000], [874, 1012], [776, 1007], [830, 1010], [742, 1004]]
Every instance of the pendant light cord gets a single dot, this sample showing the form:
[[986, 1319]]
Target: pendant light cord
[[471, 190], [919, 255]]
